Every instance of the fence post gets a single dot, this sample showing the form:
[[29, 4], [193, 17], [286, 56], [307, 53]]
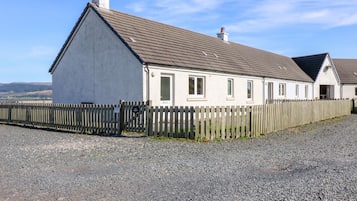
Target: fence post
[[28, 115], [121, 116], [9, 114], [148, 118], [192, 123], [353, 106]]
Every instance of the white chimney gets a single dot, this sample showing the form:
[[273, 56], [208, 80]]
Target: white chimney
[[101, 3], [223, 35]]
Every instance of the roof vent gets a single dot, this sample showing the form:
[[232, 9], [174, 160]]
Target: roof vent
[[355, 73], [101, 3], [132, 39], [223, 35]]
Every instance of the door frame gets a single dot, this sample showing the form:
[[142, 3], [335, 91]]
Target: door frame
[[171, 101]]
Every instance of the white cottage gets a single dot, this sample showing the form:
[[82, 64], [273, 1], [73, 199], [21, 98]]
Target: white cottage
[[110, 56], [347, 71], [321, 69]]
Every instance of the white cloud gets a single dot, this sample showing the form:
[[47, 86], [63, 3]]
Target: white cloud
[[270, 14], [138, 6]]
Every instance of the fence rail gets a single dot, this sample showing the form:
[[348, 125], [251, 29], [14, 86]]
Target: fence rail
[[241, 121], [93, 119], [178, 122]]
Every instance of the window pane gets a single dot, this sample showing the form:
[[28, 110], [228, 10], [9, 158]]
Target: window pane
[[199, 86], [229, 87], [165, 88], [283, 92], [249, 89], [191, 85], [297, 90], [306, 91]]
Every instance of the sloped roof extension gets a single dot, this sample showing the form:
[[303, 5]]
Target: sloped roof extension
[[347, 70]]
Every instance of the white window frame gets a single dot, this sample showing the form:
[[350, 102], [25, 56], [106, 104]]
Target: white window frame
[[171, 88], [230, 87], [282, 89], [250, 95], [195, 78]]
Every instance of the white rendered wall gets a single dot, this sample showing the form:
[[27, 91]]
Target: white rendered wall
[[348, 91], [327, 76], [216, 88], [290, 89]]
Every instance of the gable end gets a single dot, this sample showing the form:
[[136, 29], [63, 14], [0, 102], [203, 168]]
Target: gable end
[[75, 30]]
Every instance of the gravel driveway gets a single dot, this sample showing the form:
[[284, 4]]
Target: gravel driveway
[[313, 162]]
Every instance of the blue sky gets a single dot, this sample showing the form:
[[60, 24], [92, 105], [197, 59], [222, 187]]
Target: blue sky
[[33, 32]]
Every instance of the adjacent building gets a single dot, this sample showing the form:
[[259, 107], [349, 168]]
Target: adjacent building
[[347, 71], [321, 69]]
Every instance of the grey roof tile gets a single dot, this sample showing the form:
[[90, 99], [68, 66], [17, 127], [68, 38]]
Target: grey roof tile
[[158, 43], [347, 70]]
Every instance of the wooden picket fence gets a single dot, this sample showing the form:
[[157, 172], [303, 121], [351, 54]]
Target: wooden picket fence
[[274, 117], [200, 123], [176, 122], [209, 123], [92, 119], [222, 122]]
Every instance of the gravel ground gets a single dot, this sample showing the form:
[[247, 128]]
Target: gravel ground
[[313, 162]]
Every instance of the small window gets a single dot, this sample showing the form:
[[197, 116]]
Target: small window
[[356, 91], [250, 89], [297, 90], [230, 86], [165, 88], [282, 89], [306, 91], [196, 86]]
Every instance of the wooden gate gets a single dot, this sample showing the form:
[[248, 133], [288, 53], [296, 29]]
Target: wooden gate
[[133, 116]]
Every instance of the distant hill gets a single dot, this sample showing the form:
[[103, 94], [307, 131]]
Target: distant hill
[[25, 90], [18, 87]]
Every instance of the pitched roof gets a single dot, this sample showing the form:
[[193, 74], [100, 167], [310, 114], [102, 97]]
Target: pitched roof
[[311, 64], [157, 43], [347, 70]]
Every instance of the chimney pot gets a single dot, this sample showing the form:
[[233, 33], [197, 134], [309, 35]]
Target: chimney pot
[[101, 3], [223, 35]]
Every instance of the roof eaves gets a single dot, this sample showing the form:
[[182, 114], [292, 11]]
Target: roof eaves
[[334, 68]]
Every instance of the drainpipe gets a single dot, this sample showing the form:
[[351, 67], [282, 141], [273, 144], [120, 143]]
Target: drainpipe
[[264, 102], [147, 70]]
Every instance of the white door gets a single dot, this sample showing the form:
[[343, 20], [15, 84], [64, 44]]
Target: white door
[[166, 91]]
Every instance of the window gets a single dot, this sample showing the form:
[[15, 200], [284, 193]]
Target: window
[[196, 86], [356, 91], [165, 88], [297, 90], [282, 89], [230, 87], [250, 89], [306, 91]]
